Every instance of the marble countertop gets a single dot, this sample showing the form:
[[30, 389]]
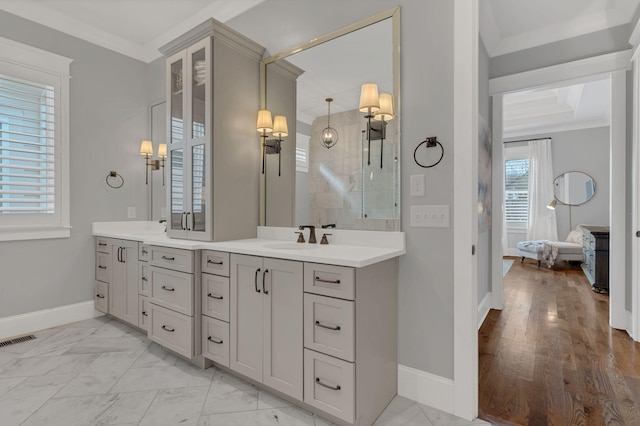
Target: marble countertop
[[345, 248]]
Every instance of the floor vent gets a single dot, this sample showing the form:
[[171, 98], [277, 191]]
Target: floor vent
[[16, 340]]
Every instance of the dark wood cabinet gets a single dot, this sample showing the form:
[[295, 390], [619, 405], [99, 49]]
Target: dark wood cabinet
[[595, 244]]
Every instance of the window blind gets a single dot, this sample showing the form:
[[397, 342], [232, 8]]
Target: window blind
[[516, 191], [302, 153], [27, 147]]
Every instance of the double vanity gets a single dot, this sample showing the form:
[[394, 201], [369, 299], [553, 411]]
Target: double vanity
[[315, 324]]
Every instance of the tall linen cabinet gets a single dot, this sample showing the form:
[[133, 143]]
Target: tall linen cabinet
[[213, 151]]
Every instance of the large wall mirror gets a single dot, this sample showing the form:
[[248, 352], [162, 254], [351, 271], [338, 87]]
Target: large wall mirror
[[574, 188], [354, 184]]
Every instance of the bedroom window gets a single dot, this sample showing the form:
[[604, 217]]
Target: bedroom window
[[34, 171], [516, 191]]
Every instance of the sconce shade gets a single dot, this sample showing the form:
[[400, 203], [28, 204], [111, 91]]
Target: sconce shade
[[265, 123], [385, 113], [369, 99], [280, 128], [552, 204], [162, 150], [146, 148]]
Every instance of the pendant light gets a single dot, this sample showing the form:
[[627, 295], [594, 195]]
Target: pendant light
[[329, 134]]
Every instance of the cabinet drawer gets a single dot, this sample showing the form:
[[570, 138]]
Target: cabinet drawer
[[330, 280], [144, 252], [103, 267], [215, 296], [329, 384], [176, 259], [172, 330], [144, 314], [173, 290], [215, 262], [102, 297], [215, 340], [329, 326], [103, 245], [144, 280]]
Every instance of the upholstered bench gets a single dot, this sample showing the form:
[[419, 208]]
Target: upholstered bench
[[535, 250]]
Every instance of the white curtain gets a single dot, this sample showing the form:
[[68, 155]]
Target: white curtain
[[542, 220]]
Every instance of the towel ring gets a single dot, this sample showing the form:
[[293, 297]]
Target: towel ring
[[113, 174], [430, 142]]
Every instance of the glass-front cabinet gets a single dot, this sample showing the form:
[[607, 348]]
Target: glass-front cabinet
[[190, 142]]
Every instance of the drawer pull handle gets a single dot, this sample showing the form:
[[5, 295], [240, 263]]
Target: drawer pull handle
[[216, 341], [327, 281], [328, 327], [333, 388], [102, 267], [99, 296], [214, 296], [102, 244], [144, 313], [215, 263], [144, 279], [167, 288], [168, 258], [264, 289], [170, 330]]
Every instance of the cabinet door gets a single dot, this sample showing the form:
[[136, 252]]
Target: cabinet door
[[283, 326], [123, 295], [246, 316]]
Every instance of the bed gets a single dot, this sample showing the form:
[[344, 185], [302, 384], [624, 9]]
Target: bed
[[550, 251]]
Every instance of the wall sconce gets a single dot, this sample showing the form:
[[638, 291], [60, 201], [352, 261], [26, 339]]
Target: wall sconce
[[146, 149], [277, 126], [369, 103], [329, 134], [384, 114]]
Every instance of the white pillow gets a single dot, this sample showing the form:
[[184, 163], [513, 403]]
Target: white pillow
[[575, 236]]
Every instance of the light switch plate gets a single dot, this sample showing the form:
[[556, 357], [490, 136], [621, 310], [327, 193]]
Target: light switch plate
[[430, 216], [131, 212], [417, 185]]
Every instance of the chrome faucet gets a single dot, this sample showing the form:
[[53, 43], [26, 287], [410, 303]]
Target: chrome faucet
[[312, 233], [329, 225]]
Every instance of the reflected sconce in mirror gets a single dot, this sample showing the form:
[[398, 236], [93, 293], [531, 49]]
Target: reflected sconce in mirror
[[369, 103], [384, 114], [329, 134], [277, 126], [146, 149]]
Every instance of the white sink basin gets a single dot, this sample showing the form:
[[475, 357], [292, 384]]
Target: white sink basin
[[290, 246]]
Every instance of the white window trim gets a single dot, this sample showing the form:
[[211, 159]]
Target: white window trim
[[57, 67]]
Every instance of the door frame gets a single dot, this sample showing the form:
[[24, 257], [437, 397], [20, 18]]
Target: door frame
[[634, 40], [614, 65]]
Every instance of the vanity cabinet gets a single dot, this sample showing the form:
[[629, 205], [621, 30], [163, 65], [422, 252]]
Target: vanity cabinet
[[212, 90], [215, 306], [102, 274], [144, 286], [266, 330]]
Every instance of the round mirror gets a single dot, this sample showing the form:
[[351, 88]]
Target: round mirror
[[574, 188]]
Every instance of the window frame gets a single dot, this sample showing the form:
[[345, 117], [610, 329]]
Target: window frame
[[514, 153], [36, 65]]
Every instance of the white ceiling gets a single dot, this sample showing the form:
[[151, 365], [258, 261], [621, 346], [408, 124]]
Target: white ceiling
[[511, 25]]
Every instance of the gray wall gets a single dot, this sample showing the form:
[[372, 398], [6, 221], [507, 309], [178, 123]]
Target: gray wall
[[598, 43], [587, 151], [426, 271], [108, 119], [484, 238]]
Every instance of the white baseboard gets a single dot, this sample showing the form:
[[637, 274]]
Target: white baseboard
[[483, 308], [629, 324], [426, 388], [18, 325]]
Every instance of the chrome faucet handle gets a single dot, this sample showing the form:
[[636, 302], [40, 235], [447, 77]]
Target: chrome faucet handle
[[312, 233], [300, 237], [324, 240], [329, 225]]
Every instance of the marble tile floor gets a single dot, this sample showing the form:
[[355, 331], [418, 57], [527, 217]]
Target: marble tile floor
[[103, 372]]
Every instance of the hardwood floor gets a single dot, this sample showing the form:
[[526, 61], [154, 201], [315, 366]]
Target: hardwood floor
[[550, 357]]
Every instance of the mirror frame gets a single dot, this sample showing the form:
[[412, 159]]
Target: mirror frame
[[573, 171], [394, 15]]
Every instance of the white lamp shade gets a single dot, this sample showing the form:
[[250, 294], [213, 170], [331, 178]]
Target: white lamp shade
[[386, 108], [369, 99], [265, 123], [162, 150], [280, 128], [552, 204], [146, 148]]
